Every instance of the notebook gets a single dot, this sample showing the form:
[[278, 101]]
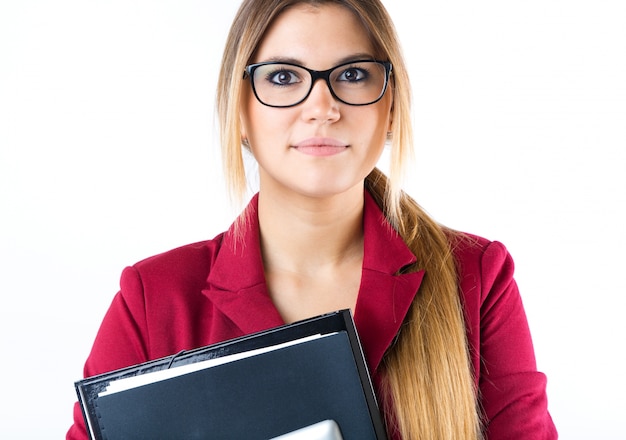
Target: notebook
[[259, 386]]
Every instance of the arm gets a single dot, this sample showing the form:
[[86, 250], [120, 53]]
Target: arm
[[512, 391], [120, 342]]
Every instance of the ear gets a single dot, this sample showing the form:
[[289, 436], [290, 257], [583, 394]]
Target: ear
[[242, 109], [243, 131]]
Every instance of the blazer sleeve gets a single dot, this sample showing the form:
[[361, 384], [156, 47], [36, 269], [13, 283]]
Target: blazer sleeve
[[122, 339], [512, 392]]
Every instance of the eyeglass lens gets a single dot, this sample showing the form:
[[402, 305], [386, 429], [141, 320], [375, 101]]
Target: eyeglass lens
[[284, 85]]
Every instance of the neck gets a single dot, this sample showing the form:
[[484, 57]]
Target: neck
[[302, 234]]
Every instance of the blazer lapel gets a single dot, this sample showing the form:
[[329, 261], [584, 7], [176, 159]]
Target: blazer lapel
[[236, 284], [385, 294]]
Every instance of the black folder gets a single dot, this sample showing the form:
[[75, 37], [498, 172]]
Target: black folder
[[309, 371]]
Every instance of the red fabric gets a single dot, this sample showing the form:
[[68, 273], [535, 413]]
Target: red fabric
[[215, 290]]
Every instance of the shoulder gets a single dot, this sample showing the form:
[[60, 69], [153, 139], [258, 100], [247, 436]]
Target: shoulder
[[185, 265], [465, 244], [194, 253], [161, 297], [480, 256], [485, 272]]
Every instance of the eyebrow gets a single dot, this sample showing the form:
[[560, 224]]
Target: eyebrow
[[347, 59]]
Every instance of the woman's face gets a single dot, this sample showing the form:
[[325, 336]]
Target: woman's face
[[320, 147]]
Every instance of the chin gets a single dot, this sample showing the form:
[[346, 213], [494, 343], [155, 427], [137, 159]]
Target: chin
[[326, 190]]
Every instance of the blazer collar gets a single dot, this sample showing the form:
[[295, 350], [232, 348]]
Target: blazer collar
[[236, 283]]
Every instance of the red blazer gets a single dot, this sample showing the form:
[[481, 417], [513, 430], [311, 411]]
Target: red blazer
[[215, 290]]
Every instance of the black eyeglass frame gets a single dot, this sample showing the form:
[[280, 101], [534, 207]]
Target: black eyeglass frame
[[316, 75]]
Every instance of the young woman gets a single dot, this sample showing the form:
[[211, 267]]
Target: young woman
[[314, 90]]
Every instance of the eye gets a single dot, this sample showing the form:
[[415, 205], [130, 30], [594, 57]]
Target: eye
[[282, 77], [353, 74]]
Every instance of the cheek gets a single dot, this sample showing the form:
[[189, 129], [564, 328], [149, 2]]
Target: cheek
[[264, 122], [253, 123], [376, 136], [381, 123]]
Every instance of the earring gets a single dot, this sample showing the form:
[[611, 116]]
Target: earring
[[389, 135], [244, 142]]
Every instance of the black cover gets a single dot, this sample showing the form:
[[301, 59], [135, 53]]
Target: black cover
[[258, 397]]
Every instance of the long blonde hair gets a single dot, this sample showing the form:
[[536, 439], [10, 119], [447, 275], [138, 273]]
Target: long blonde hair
[[429, 390]]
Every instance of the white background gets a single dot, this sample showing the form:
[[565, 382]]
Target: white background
[[108, 154]]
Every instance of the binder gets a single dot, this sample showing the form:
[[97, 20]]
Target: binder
[[258, 386]]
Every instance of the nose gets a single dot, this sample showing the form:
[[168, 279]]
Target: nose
[[320, 105]]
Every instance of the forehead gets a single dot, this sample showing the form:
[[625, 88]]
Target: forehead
[[315, 36]]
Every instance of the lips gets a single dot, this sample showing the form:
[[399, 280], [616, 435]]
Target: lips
[[321, 146]]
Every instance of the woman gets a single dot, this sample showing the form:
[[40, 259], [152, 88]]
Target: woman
[[314, 90]]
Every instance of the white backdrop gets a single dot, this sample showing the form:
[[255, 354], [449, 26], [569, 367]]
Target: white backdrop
[[108, 154]]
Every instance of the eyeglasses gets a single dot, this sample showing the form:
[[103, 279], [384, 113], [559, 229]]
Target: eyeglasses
[[277, 84]]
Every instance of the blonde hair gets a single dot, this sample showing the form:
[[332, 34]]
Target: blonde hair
[[429, 390]]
